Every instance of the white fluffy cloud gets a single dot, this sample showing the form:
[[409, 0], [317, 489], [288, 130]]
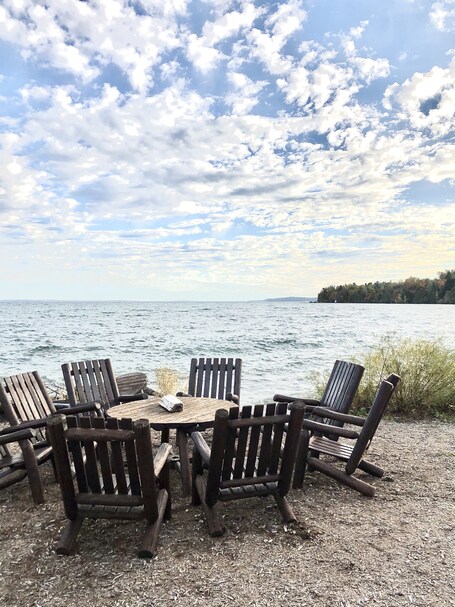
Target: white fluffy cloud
[[442, 15]]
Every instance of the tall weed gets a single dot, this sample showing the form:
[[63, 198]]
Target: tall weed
[[427, 371], [169, 381]]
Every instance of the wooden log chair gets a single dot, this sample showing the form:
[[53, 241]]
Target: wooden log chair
[[212, 378], [316, 440], [16, 466], [89, 381], [244, 460], [26, 404], [338, 395], [116, 476]]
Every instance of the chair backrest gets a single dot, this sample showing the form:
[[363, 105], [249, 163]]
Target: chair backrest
[[341, 388], [25, 398], [214, 377], [247, 451], [113, 463], [91, 380], [382, 399]]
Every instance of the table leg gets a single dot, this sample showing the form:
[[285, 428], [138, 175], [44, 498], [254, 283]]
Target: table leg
[[182, 445]]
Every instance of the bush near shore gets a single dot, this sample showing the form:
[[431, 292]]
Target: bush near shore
[[427, 371]]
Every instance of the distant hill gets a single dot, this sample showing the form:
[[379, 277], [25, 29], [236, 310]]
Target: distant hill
[[307, 299]]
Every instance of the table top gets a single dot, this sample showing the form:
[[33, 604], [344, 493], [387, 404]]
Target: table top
[[198, 411]]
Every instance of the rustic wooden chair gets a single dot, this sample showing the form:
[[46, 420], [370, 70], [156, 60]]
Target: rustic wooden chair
[[26, 404], [316, 441], [338, 394], [116, 475], [213, 378], [16, 466], [245, 458], [89, 381]]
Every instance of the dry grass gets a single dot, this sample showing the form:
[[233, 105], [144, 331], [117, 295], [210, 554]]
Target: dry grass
[[169, 381], [394, 550]]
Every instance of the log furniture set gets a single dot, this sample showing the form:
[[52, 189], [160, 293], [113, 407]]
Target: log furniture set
[[103, 440]]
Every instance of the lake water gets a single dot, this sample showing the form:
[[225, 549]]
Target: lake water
[[280, 343]]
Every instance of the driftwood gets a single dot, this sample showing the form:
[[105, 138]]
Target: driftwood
[[131, 383]]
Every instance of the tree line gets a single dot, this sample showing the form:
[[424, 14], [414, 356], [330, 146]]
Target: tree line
[[412, 290]]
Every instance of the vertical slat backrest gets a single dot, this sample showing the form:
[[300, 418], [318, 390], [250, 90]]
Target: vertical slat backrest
[[214, 377], [91, 380], [371, 424], [28, 399], [341, 388], [25, 398], [257, 446], [111, 465]]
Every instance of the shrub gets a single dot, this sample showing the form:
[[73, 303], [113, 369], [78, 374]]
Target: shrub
[[169, 381], [427, 371]]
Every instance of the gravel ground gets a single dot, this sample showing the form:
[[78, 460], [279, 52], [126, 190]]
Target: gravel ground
[[347, 550]]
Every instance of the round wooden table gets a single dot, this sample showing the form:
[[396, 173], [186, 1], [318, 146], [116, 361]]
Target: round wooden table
[[198, 412]]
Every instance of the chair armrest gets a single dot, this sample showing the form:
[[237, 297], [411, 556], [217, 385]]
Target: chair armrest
[[161, 457], [11, 435], [201, 446], [83, 408], [61, 404], [34, 423], [233, 398], [281, 398], [329, 429], [308, 402], [356, 420], [129, 398]]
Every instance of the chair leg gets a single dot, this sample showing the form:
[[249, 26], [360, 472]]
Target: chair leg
[[341, 476], [197, 469], [182, 445], [301, 460], [285, 509], [34, 478], [370, 468], [67, 542], [165, 483], [216, 529], [152, 532]]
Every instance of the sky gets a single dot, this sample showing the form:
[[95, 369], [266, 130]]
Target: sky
[[223, 149]]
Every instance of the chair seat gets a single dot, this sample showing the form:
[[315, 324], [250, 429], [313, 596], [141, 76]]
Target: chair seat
[[330, 447]]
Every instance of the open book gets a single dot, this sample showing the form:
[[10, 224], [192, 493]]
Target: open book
[[171, 403]]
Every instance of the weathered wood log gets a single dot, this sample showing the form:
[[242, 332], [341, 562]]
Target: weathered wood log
[[131, 383]]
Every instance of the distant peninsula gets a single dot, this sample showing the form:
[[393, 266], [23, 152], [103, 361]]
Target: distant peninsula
[[412, 290], [305, 299]]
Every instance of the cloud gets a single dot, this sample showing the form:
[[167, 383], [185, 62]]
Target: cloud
[[442, 15], [426, 100], [83, 38]]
